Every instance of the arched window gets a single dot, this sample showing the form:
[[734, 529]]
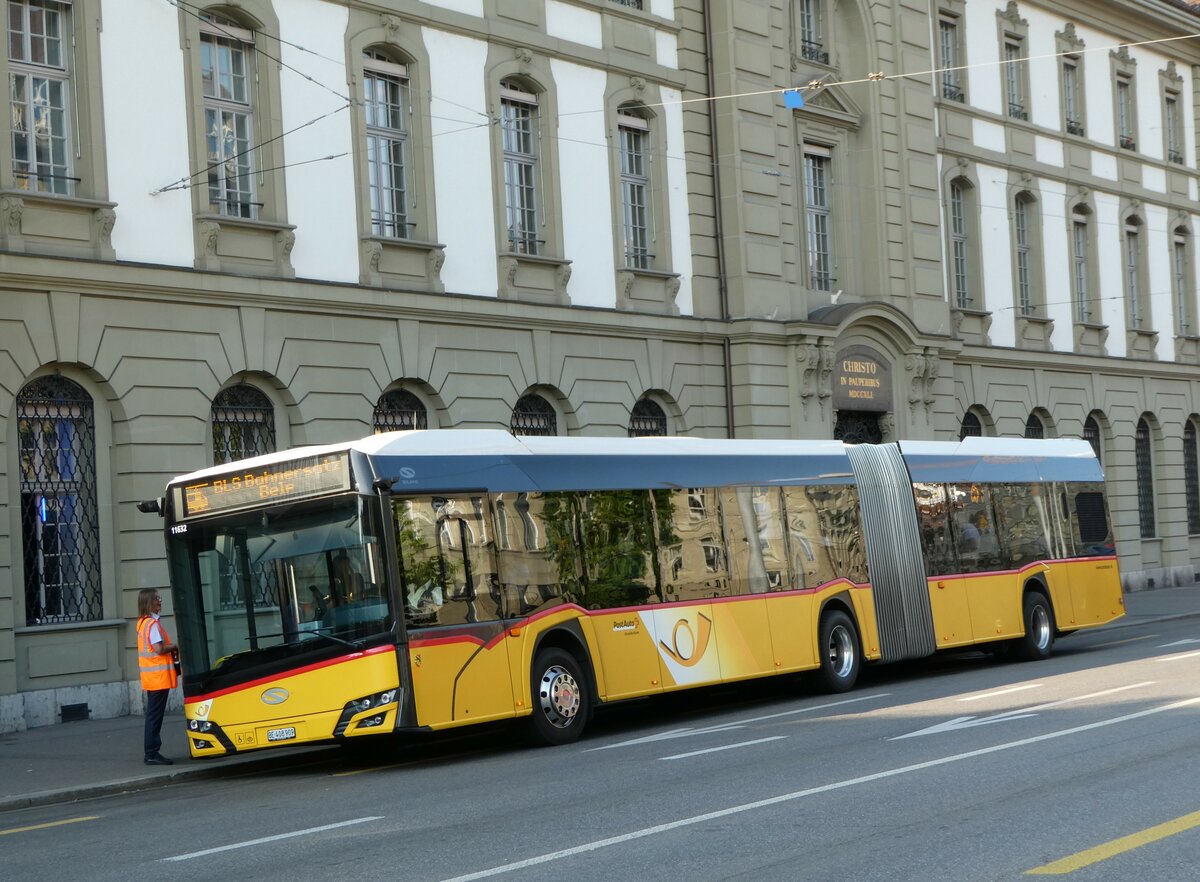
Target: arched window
[[1034, 428], [1145, 479], [399, 410], [1191, 477], [534, 415], [971, 427], [647, 420], [60, 528], [243, 424], [1091, 434]]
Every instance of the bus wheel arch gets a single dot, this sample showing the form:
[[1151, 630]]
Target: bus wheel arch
[[1037, 617], [839, 647]]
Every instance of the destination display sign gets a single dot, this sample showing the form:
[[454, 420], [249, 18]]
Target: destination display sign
[[278, 482], [862, 380]]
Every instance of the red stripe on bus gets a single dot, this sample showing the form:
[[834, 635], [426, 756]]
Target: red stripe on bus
[[1049, 564], [291, 673]]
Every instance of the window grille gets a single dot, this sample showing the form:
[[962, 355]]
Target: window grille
[[959, 246], [647, 420], [227, 72], [39, 80], [1145, 479], [971, 427], [819, 211], [1091, 434], [60, 528], [534, 415], [243, 424], [1191, 477], [633, 134], [399, 410], [635, 4], [1034, 427], [386, 106], [519, 136]]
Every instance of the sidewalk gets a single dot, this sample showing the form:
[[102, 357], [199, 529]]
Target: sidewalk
[[72, 761]]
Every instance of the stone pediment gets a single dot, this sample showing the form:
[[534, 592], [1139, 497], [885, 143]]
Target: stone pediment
[[829, 101]]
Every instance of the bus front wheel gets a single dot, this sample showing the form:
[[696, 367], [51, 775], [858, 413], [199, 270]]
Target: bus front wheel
[[1039, 628], [840, 659], [560, 698]]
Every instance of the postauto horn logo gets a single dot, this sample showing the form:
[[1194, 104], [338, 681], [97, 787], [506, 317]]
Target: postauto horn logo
[[275, 695]]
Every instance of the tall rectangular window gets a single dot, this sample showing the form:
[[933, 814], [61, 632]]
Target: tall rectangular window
[[959, 246], [1191, 478], [818, 217], [519, 135], [633, 133], [227, 73], [39, 47], [1125, 133], [1072, 98], [1132, 272], [1183, 293], [949, 60], [1171, 128], [1014, 78], [808, 13], [1024, 257], [1079, 259], [1144, 466], [386, 102]]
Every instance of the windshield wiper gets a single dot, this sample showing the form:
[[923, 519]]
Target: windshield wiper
[[353, 644]]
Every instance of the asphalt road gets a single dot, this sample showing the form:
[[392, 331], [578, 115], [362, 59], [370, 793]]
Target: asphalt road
[[962, 768]]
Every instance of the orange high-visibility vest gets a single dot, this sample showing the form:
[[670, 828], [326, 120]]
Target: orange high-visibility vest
[[158, 671]]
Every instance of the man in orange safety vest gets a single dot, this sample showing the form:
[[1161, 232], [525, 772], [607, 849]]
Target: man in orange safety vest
[[156, 662]]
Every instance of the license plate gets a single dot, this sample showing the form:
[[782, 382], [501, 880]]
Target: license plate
[[285, 734]]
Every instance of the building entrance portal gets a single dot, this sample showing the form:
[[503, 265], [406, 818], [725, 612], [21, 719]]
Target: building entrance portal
[[858, 427]]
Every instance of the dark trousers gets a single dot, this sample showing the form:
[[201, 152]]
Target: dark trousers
[[156, 706]]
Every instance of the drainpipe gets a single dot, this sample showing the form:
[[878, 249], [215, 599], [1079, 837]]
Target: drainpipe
[[718, 227]]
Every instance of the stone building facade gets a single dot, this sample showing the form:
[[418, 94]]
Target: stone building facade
[[790, 218]]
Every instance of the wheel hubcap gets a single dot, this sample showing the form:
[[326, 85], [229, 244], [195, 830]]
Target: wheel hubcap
[[559, 696], [841, 652], [1040, 620]]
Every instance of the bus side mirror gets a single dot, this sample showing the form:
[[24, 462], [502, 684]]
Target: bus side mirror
[[151, 506]]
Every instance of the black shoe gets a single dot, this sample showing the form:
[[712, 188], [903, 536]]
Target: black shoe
[[157, 759]]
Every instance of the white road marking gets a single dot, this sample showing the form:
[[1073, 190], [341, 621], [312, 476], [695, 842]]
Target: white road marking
[[1179, 643], [1018, 714], [1001, 692], [1181, 656], [725, 727], [812, 791], [276, 838], [724, 747]]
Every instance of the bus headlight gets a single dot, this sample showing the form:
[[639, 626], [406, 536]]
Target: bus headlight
[[200, 725]]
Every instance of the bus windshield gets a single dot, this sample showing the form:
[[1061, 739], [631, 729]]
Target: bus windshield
[[269, 585]]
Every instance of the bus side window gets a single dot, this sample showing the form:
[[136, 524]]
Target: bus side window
[[1023, 515], [933, 510], [690, 543], [1093, 535], [824, 534], [754, 531], [974, 528], [536, 547]]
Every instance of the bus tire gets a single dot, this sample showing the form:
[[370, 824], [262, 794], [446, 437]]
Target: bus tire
[[840, 656], [1038, 616], [560, 698]]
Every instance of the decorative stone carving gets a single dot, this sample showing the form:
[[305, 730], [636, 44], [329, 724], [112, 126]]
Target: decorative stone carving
[[12, 207], [562, 275], [524, 57], [434, 260], [887, 425], [285, 241], [673, 284], [825, 372], [933, 369], [508, 273], [1068, 36], [638, 84], [104, 219], [210, 234], [391, 27], [1012, 14], [1172, 75], [625, 280], [914, 366]]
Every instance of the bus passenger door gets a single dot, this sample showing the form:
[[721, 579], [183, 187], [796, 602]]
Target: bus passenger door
[[458, 657], [1095, 584]]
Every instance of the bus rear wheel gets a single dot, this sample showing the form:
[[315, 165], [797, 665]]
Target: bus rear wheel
[[838, 647], [1038, 616], [560, 698]]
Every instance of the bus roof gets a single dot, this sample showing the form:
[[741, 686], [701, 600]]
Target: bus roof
[[492, 459]]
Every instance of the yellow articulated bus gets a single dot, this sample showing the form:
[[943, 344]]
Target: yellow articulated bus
[[418, 581]]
